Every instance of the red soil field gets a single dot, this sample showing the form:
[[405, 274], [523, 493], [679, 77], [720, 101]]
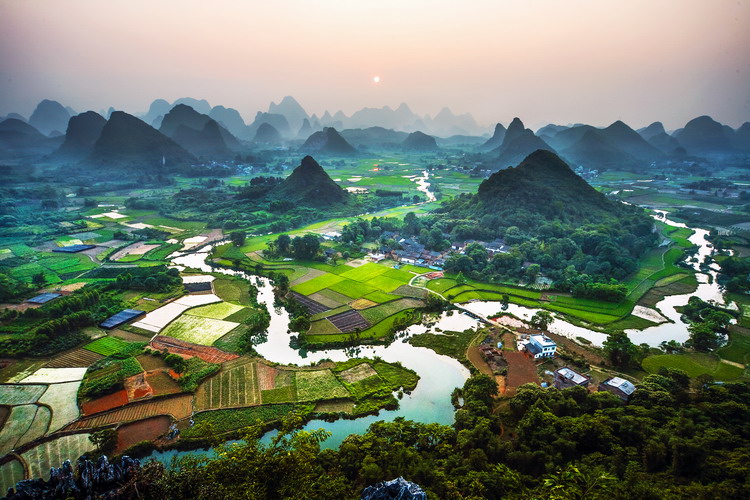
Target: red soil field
[[521, 370], [143, 430], [174, 346], [179, 406], [137, 387], [104, 403], [266, 376]]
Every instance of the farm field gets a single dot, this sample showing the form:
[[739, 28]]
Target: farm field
[[53, 453], [106, 346], [54, 375], [694, 364], [10, 473], [143, 430], [179, 407], [156, 320], [24, 424], [62, 399], [198, 330], [12, 395], [78, 358]]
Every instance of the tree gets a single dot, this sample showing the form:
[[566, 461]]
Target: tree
[[104, 440], [541, 320], [39, 280], [620, 349], [533, 271], [283, 242], [238, 238]]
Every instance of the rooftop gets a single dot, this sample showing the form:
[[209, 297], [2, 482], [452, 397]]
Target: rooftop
[[543, 340], [620, 383], [571, 375]]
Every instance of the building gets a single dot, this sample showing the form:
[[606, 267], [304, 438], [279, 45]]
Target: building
[[541, 346], [565, 377], [620, 387]]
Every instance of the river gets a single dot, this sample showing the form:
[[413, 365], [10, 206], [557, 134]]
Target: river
[[439, 375]]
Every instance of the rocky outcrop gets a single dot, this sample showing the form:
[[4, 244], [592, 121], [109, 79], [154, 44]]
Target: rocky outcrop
[[395, 489], [93, 480]]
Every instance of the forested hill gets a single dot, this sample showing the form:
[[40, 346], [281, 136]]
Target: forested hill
[[549, 216], [543, 185]]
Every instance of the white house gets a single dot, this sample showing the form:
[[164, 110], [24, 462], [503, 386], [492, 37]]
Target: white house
[[541, 346]]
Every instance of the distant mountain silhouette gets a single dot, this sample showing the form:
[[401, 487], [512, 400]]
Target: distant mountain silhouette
[[200, 105], [15, 116], [419, 141], [518, 143], [309, 184], [496, 140], [704, 135], [49, 116], [291, 110], [129, 143], [629, 141], [230, 119], [158, 108], [328, 141], [305, 129], [19, 139], [279, 122], [207, 142], [267, 134], [742, 138], [82, 133], [445, 123], [593, 150], [207, 137], [374, 137], [652, 130]]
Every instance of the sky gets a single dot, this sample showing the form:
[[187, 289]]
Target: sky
[[546, 61]]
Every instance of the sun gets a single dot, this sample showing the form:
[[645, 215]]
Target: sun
[[376, 79]]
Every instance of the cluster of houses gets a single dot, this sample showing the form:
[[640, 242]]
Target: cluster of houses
[[493, 356], [567, 377], [411, 251]]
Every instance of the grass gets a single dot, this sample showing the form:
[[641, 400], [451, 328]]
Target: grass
[[106, 346], [365, 272], [218, 310], [204, 331], [233, 290], [694, 364], [385, 284], [352, 289], [379, 313], [316, 284], [453, 344], [319, 384], [223, 421], [738, 348]]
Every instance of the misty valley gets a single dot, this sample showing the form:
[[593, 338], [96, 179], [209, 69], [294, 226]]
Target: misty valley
[[381, 303]]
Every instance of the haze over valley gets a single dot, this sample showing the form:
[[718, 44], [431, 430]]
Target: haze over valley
[[374, 250]]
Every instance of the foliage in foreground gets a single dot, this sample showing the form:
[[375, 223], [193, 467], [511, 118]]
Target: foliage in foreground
[[669, 442]]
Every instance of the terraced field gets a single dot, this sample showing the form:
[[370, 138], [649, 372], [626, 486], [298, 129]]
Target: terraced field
[[62, 399], [79, 358], [179, 407], [24, 424]]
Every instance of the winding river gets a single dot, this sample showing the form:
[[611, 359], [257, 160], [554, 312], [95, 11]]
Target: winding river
[[439, 375]]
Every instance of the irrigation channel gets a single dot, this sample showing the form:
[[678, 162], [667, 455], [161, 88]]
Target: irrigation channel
[[439, 375]]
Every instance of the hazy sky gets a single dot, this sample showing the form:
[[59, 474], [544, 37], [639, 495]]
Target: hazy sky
[[559, 61]]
